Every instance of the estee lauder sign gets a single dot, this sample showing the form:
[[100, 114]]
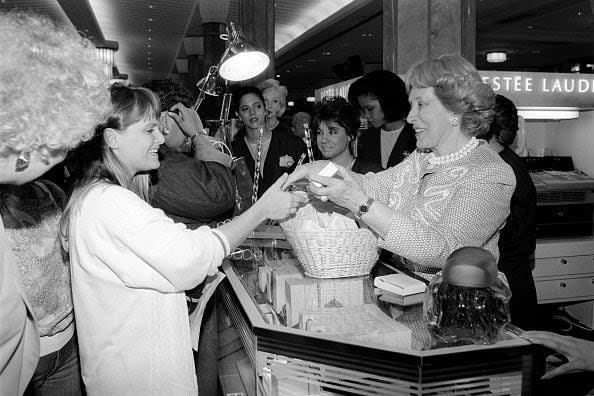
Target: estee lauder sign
[[543, 89], [523, 88]]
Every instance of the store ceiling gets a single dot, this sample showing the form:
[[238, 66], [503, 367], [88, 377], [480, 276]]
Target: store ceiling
[[547, 35]]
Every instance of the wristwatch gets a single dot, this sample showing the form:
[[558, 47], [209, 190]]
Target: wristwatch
[[364, 208]]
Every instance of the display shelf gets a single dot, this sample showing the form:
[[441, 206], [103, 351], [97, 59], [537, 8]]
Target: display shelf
[[326, 355]]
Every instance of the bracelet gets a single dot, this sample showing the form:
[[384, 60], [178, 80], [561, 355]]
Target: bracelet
[[194, 135], [223, 240]]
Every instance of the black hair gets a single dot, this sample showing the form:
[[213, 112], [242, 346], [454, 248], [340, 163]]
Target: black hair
[[388, 88], [170, 93], [505, 122], [240, 92], [338, 110]]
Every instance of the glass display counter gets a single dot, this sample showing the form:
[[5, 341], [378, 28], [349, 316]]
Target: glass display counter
[[308, 336]]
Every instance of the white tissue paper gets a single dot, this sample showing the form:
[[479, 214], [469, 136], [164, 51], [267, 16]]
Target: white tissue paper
[[326, 222]]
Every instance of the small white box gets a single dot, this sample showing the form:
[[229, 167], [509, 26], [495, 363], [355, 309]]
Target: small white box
[[329, 171], [400, 284]]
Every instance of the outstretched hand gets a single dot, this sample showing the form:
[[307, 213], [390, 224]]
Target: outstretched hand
[[276, 203], [305, 171], [343, 191], [579, 353]]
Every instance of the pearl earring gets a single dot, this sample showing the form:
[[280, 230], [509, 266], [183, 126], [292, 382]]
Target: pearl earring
[[454, 121], [22, 162]]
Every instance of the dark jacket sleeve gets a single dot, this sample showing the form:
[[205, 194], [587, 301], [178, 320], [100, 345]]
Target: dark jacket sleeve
[[194, 192]]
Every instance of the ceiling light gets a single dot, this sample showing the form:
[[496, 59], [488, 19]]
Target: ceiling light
[[326, 53], [150, 19], [496, 57], [278, 76], [310, 99], [290, 103], [549, 113]]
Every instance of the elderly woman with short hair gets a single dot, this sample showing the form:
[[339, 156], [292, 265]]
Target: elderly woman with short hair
[[52, 93], [275, 99], [453, 191]]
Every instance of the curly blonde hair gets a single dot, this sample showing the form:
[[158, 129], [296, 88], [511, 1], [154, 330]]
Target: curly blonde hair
[[459, 88], [53, 90]]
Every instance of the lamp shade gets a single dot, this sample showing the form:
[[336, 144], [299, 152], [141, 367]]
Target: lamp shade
[[241, 60]]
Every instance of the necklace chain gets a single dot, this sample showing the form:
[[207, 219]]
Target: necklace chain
[[449, 158]]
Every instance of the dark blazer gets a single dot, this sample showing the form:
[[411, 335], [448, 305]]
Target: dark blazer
[[363, 167], [370, 141], [517, 241], [283, 143]]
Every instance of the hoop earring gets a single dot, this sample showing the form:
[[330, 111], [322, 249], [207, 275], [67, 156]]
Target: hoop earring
[[22, 162]]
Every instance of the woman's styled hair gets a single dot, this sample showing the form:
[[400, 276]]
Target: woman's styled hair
[[505, 122], [388, 88], [274, 84], [338, 110], [52, 88], [459, 88], [95, 163]]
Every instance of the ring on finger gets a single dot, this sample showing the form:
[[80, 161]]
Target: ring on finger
[[324, 198]]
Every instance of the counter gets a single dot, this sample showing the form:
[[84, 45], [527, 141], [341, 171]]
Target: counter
[[364, 346]]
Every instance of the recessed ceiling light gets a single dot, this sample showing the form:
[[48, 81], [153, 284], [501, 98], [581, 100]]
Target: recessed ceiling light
[[496, 57], [278, 76], [530, 26], [150, 6], [326, 53], [311, 60], [580, 13], [150, 38], [148, 45], [150, 19]]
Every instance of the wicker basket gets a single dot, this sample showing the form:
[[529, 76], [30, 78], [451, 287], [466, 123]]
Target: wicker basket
[[330, 254]]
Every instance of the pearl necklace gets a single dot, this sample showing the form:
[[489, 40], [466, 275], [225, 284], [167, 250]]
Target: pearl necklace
[[448, 159]]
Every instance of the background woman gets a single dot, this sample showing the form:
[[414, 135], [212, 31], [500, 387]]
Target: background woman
[[131, 263], [280, 150], [517, 239], [275, 99], [336, 123], [433, 202], [381, 97], [52, 92]]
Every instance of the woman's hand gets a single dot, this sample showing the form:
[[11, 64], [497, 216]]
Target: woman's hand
[[579, 353], [345, 192], [304, 172], [188, 120], [276, 204]]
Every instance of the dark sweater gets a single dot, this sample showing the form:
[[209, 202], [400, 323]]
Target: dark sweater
[[517, 241]]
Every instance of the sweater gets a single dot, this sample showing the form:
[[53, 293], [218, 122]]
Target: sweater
[[437, 209], [130, 267]]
